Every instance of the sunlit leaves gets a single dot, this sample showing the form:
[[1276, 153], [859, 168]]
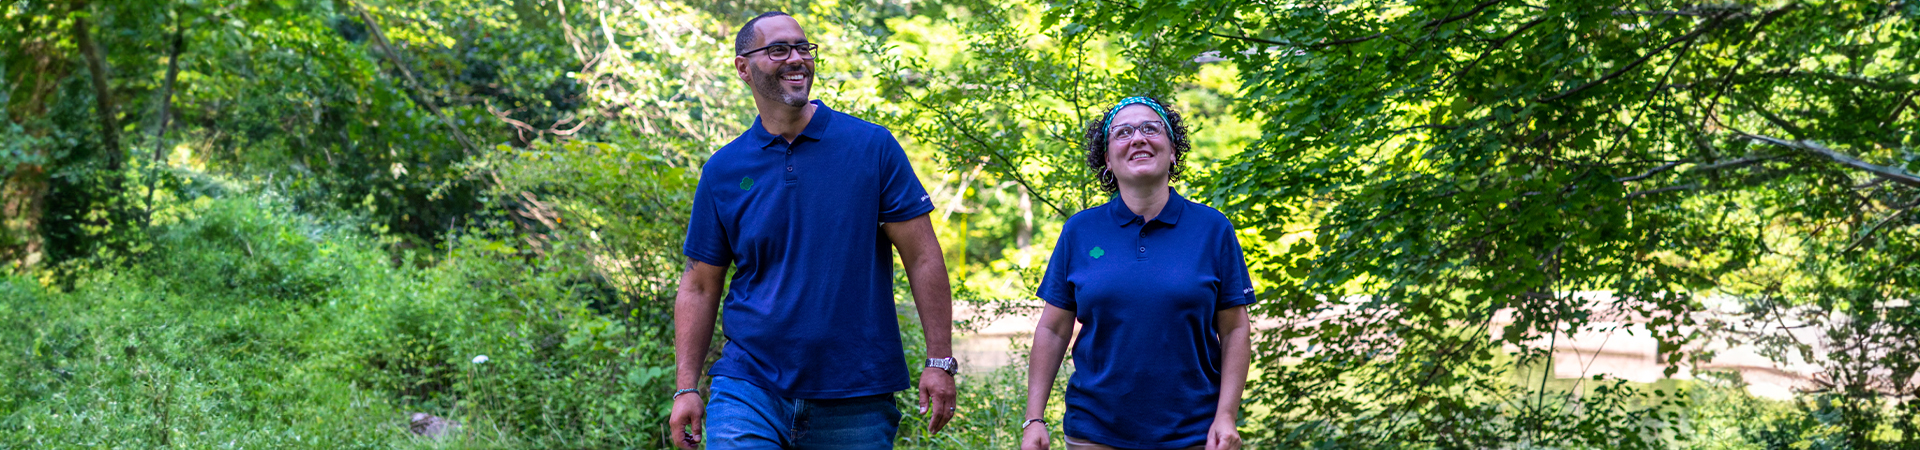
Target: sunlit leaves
[[1478, 157]]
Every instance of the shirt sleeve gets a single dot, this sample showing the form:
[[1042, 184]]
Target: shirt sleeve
[[901, 195], [1054, 287], [706, 237], [1236, 286]]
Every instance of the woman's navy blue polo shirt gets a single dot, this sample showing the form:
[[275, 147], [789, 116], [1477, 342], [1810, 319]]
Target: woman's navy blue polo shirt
[[1147, 359], [809, 312]]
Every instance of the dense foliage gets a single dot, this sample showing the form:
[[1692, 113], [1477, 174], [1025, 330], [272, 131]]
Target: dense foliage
[[275, 223], [1584, 167]]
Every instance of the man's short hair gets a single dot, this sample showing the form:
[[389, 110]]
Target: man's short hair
[[743, 40]]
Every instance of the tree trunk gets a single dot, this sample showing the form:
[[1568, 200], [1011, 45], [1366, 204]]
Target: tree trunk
[[166, 90], [23, 189], [102, 95], [166, 110], [1023, 237], [25, 192]]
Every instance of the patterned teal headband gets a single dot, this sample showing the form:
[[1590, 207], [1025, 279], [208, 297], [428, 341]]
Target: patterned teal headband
[[1108, 122]]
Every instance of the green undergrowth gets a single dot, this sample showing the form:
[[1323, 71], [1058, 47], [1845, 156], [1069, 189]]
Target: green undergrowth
[[249, 326]]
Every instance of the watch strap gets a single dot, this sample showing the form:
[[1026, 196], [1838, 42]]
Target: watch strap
[[952, 366]]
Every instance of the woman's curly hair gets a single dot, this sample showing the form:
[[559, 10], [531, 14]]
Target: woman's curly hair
[[1096, 146]]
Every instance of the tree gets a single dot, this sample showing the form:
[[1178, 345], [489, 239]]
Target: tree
[[1581, 166]]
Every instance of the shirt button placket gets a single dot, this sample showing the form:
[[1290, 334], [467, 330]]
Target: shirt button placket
[[790, 175], [1141, 242]]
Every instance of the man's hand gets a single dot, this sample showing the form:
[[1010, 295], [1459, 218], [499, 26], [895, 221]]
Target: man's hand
[[936, 397], [933, 299], [688, 421], [694, 309], [1035, 437], [1223, 435]]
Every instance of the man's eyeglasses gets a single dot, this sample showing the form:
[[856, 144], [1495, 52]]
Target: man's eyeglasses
[[783, 51], [1149, 128]]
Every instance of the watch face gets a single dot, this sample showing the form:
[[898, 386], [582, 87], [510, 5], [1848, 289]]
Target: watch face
[[948, 364]]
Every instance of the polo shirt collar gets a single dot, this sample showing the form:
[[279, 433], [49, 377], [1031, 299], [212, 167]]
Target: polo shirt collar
[[816, 127], [1170, 214]]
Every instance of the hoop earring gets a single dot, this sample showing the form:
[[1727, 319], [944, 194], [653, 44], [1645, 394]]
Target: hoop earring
[[1106, 174]]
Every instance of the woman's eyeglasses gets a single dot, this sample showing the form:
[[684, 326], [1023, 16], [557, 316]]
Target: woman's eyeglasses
[[1149, 128], [783, 51]]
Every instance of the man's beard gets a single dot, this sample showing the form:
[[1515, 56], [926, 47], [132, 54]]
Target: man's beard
[[769, 85]]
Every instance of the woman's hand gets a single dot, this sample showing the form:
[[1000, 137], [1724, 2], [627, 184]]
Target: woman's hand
[[1223, 436], [1050, 338], [1035, 437], [1236, 354]]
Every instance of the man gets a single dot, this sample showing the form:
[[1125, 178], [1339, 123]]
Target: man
[[806, 204]]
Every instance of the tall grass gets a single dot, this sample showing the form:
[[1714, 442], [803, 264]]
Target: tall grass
[[252, 327]]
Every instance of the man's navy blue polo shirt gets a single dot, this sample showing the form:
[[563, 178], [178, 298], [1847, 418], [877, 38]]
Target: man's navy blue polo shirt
[[809, 312], [1147, 359]]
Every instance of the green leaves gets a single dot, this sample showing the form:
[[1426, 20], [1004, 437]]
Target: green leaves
[[1466, 160]]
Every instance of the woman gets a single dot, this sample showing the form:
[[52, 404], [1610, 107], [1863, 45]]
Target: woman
[[1161, 287]]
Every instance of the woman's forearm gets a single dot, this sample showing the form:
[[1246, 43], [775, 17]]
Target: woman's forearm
[[1236, 342], [1043, 362]]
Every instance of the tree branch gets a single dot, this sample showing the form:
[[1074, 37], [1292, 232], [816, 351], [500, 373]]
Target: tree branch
[[1251, 39], [1462, 16], [1630, 66], [1884, 84], [419, 89], [1683, 187], [1774, 119], [1706, 168], [1650, 173], [1703, 11], [1890, 173], [1497, 44], [1726, 78], [1293, 44], [1656, 13], [1012, 169], [1899, 107], [1324, 44], [1733, 163], [1874, 229], [1346, 41], [1427, 126]]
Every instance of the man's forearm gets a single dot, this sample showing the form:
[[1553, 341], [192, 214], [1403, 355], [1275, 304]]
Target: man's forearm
[[927, 273], [694, 310], [933, 299]]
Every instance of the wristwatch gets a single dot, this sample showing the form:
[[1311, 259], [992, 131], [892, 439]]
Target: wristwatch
[[952, 366]]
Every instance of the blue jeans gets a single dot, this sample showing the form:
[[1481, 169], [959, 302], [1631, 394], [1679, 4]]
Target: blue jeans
[[742, 416]]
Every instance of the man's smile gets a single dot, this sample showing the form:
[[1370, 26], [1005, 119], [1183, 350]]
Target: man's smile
[[796, 77]]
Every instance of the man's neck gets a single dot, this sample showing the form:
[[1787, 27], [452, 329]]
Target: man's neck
[[785, 121], [1147, 199]]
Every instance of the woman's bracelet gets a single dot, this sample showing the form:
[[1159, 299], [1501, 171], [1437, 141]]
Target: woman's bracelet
[[676, 394], [1030, 422]]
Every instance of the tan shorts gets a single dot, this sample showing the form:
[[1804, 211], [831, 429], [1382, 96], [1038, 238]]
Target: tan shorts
[[1074, 443]]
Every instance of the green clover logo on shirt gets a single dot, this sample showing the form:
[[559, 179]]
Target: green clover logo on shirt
[[1096, 253], [746, 183]]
